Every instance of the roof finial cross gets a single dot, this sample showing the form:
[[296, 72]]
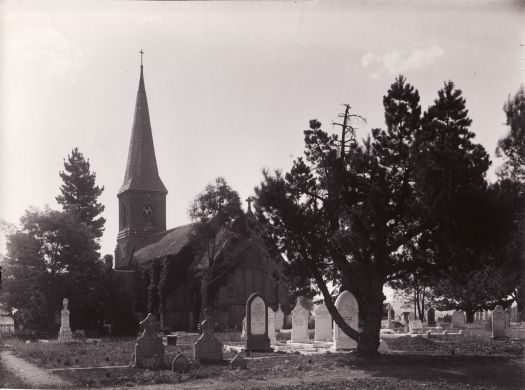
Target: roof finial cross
[[141, 53], [249, 200]]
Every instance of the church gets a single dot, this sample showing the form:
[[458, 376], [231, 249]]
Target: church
[[160, 267]]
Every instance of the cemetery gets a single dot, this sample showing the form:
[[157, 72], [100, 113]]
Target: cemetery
[[272, 356], [295, 195]]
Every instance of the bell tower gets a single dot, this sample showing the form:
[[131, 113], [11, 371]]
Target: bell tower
[[142, 196]]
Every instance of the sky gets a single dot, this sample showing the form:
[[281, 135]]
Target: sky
[[230, 85]]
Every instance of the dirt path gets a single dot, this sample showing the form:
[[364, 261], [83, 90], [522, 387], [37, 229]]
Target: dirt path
[[31, 375]]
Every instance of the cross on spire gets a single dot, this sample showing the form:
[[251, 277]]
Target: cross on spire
[[249, 200], [141, 53]]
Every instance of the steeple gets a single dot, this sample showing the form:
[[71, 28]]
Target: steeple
[[141, 169], [142, 197]]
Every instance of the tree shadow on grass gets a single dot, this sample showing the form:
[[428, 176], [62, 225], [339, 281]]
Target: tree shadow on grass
[[507, 372]]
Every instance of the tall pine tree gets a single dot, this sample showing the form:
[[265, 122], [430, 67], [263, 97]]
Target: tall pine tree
[[79, 193]]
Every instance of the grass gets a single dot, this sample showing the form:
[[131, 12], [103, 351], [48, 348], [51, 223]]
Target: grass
[[428, 363]]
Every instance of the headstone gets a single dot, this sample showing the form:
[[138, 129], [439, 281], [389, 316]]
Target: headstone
[[271, 325], [149, 350], [257, 324], [243, 333], [458, 319], [507, 318], [238, 362], [415, 326], [180, 364], [208, 348], [64, 333], [299, 323], [389, 311], [383, 347], [348, 308], [279, 319], [431, 316], [323, 324], [411, 316], [171, 339], [498, 323]]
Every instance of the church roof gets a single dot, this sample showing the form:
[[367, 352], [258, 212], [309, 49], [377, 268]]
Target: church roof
[[169, 242], [141, 169]]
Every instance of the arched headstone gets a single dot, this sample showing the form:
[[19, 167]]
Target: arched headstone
[[323, 324], [431, 316], [279, 319], [299, 324], [271, 325], [498, 323], [257, 324], [347, 306], [458, 319]]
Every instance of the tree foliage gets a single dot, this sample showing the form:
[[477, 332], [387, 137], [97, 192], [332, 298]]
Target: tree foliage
[[512, 146], [360, 214], [79, 193], [215, 210]]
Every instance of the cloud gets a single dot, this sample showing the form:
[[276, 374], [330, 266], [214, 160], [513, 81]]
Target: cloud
[[48, 48], [397, 61]]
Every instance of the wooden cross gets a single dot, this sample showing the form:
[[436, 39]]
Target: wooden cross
[[141, 53]]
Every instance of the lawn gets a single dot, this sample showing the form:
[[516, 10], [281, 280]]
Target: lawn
[[464, 364]]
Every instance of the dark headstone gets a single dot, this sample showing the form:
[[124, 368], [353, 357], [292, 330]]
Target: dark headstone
[[238, 362], [431, 317], [498, 323], [207, 349], [257, 324], [149, 350], [171, 339], [180, 364]]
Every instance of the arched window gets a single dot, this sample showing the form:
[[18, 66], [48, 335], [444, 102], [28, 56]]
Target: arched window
[[147, 216]]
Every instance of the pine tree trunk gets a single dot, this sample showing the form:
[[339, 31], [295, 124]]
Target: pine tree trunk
[[372, 313]]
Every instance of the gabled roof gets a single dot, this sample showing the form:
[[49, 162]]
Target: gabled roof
[[141, 169], [169, 242]]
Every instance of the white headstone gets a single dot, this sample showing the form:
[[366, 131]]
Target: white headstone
[[299, 324], [458, 319], [347, 306], [243, 333], [279, 319], [65, 331], [383, 347], [257, 310], [271, 324], [415, 325], [323, 324], [498, 323]]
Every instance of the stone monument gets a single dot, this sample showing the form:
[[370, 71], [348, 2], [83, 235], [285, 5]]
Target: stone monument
[[323, 324], [299, 323], [271, 325], [498, 323], [458, 319], [279, 318], [431, 316], [389, 310], [257, 324], [347, 306], [65, 333], [180, 364], [149, 350], [208, 348]]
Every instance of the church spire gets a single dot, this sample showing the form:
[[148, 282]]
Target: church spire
[[141, 169]]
